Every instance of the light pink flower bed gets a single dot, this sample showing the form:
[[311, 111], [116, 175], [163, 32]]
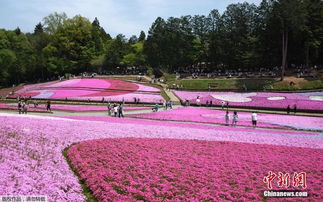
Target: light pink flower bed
[[188, 125], [88, 108], [32, 163], [203, 115], [185, 170], [74, 108], [255, 99], [93, 89]]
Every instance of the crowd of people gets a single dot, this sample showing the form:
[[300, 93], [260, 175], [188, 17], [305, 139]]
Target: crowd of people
[[166, 105], [235, 118], [23, 105], [115, 110], [197, 71]]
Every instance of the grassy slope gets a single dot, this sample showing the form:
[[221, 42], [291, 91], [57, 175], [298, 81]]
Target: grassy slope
[[252, 84]]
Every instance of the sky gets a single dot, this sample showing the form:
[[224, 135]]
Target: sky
[[127, 17]]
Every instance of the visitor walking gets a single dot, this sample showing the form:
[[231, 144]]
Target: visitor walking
[[227, 105], [288, 109], [170, 104], [235, 118], [109, 106], [35, 104], [254, 119], [115, 110], [155, 109], [295, 109], [227, 118], [198, 101], [24, 107], [19, 106], [222, 104], [48, 106], [120, 110]]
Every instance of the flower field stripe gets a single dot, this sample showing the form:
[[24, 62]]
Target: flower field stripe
[[31, 148], [186, 125], [256, 99], [203, 115], [93, 89], [74, 108], [158, 169]]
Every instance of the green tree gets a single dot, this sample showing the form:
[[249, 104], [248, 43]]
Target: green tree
[[135, 57], [116, 50], [54, 21], [73, 44], [7, 62], [133, 39], [290, 15], [142, 36], [313, 31]]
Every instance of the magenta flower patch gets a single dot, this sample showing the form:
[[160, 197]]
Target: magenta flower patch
[[257, 99], [31, 159], [93, 89], [188, 170]]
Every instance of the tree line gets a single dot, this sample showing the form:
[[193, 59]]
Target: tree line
[[245, 36]]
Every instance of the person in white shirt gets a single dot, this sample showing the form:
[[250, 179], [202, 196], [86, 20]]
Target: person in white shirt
[[198, 101], [115, 110], [235, 118], [227, 118], [254, 119], [222, 104]]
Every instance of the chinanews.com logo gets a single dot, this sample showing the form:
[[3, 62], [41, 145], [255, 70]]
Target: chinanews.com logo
[[284, 181]]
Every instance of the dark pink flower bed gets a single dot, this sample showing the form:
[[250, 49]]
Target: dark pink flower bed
[[92, 89], [311, 101], [176, 170]]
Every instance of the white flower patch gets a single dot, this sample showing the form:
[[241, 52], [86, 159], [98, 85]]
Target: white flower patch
[[276, 98], [235, 97], [34, 116], [45, 94], [316, 98]]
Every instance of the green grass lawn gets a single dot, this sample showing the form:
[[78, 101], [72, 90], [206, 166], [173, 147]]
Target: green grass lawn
[[251, 84]]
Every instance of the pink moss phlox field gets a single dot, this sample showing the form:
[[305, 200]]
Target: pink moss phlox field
[[260, 99], [183, 170], [93, 89], [217, 133], [74, 108], [85, 108], [31, 148], [204, 115], [187, 125]]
